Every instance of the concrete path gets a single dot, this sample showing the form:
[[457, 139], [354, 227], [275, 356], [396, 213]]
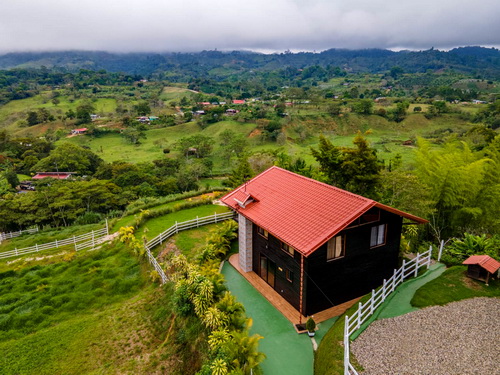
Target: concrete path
[[287, 352]]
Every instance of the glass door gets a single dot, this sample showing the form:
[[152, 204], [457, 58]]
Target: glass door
[[263, 267], [267, 270]]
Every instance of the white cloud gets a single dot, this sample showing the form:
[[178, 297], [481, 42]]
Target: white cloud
[[190, 25]]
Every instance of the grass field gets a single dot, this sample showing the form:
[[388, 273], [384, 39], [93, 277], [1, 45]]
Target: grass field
[[453, 285], [45, 236], [155, 226]]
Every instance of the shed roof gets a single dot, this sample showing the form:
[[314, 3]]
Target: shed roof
[[488, 263], [300, 211], [56, 175]]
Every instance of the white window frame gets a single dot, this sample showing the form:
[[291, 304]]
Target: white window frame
[[378, 234], [335, 248]]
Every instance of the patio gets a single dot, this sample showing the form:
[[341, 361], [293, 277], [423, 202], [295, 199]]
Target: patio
[[285, 308]]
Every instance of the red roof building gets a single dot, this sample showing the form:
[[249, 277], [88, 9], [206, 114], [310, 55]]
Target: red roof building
[[481, 267], [238, 101], [334, 244], [55, 175]]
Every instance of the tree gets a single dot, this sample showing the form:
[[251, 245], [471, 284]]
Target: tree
[[355, 169], [464, 186], [32, 118], [133, 135], [329, 158], [199, 145], [69, 157], [361, 168], [242, 173], [142, 108], [363, 106], [83, 112]]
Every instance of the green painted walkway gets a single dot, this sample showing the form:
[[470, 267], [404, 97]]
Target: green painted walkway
[[398, 303], [287, 352]]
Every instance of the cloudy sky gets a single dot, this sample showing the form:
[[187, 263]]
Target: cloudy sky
[[261, 25]]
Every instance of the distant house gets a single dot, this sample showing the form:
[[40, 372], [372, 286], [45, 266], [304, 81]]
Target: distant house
[[316, 245], [143, 119], [481, 267], [199, 113], [55, 175], [238, 102], [79, 131], [231, 111], [94, 117]]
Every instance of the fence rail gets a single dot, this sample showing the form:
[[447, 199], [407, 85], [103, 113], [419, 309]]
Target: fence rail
[[83, 241], [7, 235], [176, 228], [365, 310]]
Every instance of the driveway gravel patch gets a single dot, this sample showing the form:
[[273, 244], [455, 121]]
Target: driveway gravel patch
[[461, 338]]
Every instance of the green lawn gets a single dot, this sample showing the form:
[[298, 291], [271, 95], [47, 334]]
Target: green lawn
[[45, 236], [453, 285], [155, 226]]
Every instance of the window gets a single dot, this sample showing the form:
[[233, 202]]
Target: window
[[289, 275], [377, 237], [287, 248], [264, 233], [335, 248]]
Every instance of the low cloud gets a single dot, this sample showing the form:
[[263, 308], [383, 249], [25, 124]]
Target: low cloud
[[277, 25]]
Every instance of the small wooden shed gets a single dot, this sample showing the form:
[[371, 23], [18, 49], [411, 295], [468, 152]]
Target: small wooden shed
[[481, 267]]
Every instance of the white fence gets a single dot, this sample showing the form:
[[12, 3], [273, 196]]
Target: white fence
[[6, 236], [84, 241], [176, 228], [354, 322]]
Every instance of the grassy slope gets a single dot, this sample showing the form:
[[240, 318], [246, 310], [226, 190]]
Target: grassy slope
[[452, 286], [385, 136]]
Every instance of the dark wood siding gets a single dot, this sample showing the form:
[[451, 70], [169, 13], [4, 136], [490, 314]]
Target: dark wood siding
[[362, 268], [271, 248]]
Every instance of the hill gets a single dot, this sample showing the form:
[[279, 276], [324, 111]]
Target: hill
[[179, 66]]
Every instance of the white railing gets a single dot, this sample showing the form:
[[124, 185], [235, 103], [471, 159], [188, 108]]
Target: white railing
[[83, 241], [6, 236], [365, 310], [176, 228]]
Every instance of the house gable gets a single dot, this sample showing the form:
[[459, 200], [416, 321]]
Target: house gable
[[301, 212]]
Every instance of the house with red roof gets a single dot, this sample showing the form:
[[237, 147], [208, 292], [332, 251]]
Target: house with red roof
[[316, 245], [481, 267], [55, 175]]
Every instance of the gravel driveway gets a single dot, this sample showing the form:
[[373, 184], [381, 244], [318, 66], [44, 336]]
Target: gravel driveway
[[461, 338]]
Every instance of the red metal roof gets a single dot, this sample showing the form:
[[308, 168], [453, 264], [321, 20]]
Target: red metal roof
[[56, 175], [488, 263], [302, 212], [238, 101]]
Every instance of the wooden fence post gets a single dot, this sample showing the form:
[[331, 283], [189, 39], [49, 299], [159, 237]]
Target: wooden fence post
[[429, 257], [197, 223], [93, 241], [176, 228], [36, 247], [57, 245], [215, 217], [107, 227], [74, 242]]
